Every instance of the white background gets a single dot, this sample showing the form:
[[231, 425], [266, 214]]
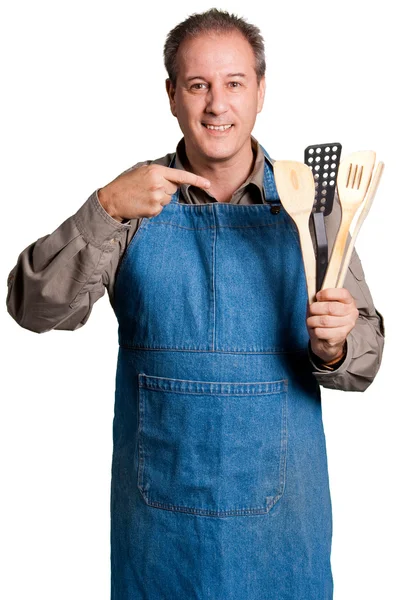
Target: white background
[[83, 99]]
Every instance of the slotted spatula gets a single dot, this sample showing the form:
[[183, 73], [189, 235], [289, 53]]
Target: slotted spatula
[[296, 189], [323, 160], [353, 179]]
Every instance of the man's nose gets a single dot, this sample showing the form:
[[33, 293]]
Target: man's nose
[[217, 101]]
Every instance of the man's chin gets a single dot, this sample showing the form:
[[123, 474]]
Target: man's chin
[[217, 152]]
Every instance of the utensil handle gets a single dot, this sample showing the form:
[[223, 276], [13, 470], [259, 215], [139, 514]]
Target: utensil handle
[[330, 281], [362, 216], [309, 260], [322, 254]]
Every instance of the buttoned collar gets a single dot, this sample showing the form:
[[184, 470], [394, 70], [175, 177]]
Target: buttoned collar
[[254, 179]]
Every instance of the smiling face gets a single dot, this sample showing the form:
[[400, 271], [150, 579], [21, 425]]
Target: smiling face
[[216, 85]]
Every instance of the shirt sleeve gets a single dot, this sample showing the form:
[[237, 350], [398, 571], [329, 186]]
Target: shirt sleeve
[[365, 342], [58, 278]]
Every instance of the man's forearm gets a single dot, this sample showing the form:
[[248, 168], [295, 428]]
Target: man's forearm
[[58, 278]]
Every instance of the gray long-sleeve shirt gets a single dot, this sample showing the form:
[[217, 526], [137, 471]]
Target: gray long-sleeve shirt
[[58, 278]]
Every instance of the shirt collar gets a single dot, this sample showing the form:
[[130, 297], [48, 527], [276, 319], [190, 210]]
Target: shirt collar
[[255, 178]]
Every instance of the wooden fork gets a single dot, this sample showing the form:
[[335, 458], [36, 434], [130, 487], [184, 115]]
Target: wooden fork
[[362, 216], [353, 180]]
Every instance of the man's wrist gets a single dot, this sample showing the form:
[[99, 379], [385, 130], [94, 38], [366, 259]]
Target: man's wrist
[[107, 205], [333, 364]]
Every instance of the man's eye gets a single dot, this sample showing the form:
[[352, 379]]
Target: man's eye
[[198, 86]]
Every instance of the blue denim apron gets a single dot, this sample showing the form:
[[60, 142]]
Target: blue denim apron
[[220, 486]]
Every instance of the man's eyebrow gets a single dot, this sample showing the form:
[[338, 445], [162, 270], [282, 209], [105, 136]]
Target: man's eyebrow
[[228, 75]]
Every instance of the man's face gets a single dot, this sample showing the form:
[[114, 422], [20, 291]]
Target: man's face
[[216, 85]]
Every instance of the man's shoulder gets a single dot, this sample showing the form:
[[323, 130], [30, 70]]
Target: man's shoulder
[[164, 161]]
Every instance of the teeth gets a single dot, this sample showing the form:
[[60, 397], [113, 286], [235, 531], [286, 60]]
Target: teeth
[[220, 128]]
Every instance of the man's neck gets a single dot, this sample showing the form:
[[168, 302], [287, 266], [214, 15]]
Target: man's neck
[[225, 176]]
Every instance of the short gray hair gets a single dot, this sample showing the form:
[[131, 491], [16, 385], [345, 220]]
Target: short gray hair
[[213, 20]]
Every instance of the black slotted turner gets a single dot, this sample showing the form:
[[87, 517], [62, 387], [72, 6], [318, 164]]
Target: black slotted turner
[[323, 160]]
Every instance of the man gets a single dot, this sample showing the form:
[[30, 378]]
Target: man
[[219, 479]]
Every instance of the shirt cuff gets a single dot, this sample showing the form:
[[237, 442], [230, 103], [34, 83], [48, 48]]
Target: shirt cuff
[[96, 226], [322, 372]]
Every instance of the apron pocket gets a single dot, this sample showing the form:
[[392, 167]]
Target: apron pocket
[[212, 448]]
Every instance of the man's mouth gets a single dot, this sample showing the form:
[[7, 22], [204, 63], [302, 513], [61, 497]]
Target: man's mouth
[[218, 127]]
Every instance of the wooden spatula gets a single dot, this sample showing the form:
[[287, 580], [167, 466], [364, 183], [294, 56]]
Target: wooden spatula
[[296, 189], [362, 216], [353, 179]]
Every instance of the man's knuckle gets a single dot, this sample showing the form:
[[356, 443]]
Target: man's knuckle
[[154, 174], [154, 209], [155, 196], [154, 186], [325, 320], [352, 320]]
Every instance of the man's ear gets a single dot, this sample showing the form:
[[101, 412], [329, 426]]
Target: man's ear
[[261, 93], [171, 95]]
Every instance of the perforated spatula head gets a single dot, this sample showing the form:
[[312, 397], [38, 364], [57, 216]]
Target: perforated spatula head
[[323, 160]]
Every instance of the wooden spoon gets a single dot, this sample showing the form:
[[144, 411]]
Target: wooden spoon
[[362, 216], [353, 180], [296, 189]]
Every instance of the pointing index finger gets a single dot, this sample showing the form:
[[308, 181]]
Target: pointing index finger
[[180, 176]]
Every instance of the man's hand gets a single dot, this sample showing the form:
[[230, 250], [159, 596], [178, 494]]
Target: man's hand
[[329, 321], [144, 191]]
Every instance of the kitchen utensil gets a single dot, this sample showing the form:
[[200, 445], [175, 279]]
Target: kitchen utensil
[[323, 160], [353, 180], [296, 189], [362, 216]]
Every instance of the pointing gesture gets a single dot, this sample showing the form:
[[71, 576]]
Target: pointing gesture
[[144, 191]]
